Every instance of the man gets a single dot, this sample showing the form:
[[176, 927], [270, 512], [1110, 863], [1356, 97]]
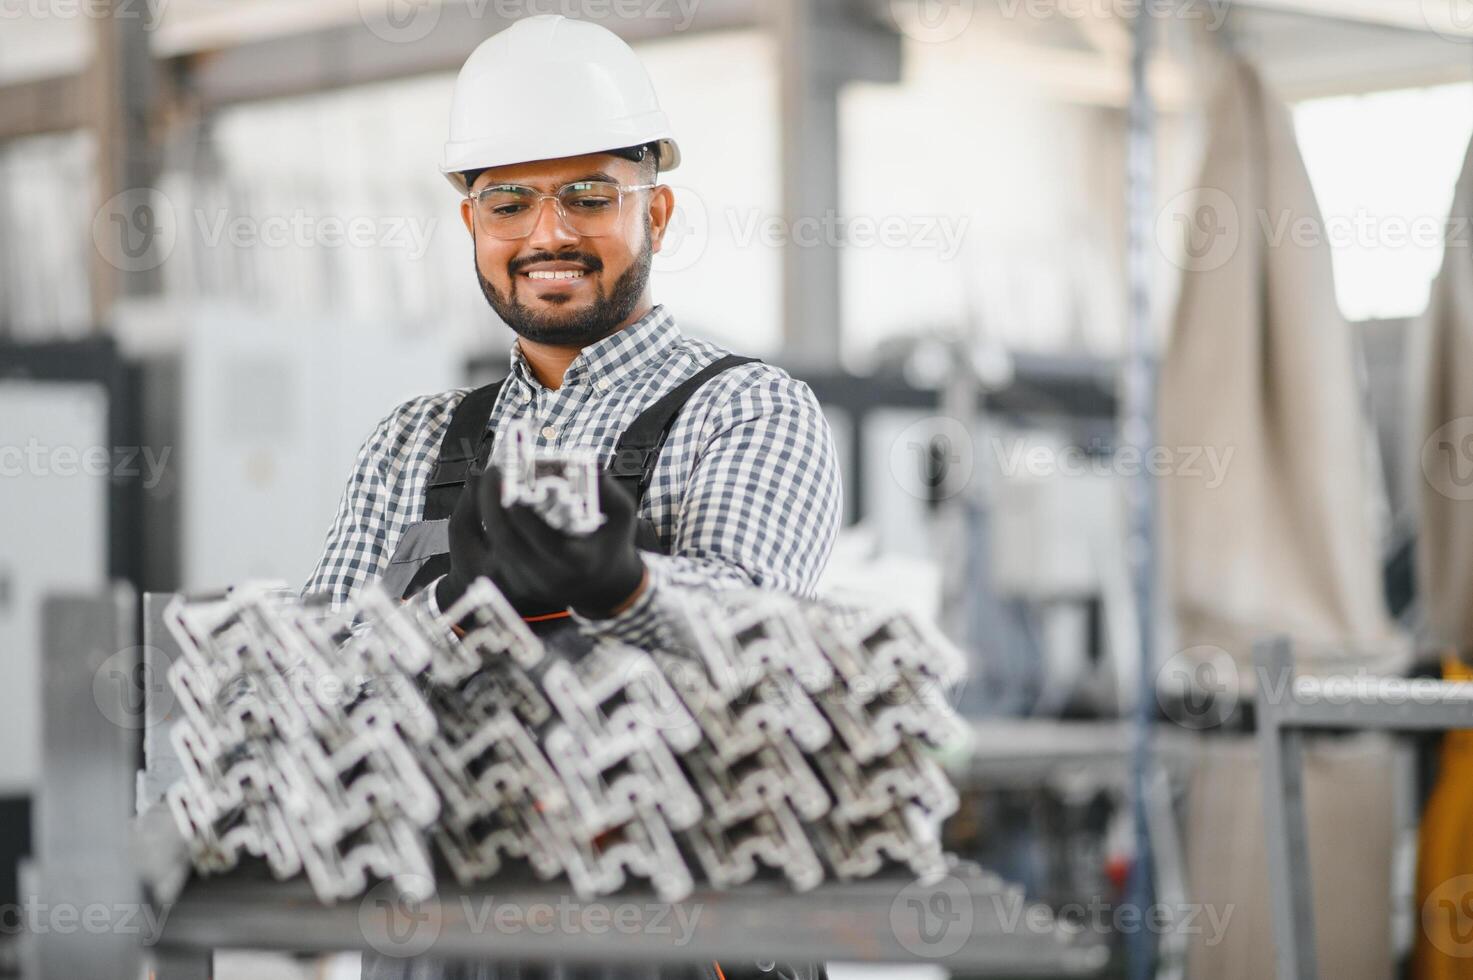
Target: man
[[718, 471]]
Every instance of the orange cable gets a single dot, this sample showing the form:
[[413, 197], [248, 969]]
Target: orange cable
[[546, 616]]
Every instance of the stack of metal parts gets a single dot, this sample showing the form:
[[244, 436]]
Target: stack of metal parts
[[764, 732]]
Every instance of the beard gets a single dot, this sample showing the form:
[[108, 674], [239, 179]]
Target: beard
[[575, 327]]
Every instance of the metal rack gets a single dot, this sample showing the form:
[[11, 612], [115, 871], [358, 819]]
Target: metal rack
[[970, 921], [1288, 707]]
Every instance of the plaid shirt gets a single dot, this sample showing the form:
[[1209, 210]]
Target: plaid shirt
[[746, 490]]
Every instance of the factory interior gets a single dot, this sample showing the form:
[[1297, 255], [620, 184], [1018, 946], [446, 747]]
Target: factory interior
[[1074, 589]]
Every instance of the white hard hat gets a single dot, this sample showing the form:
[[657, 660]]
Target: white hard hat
[[549, 87]]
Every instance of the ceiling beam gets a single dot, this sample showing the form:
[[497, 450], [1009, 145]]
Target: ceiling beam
[[1425, 16], [339, 44], [370, 50], [45, 105]]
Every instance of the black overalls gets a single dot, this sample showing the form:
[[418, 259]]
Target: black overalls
[[423, 555]]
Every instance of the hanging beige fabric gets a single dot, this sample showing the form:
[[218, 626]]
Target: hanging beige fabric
[[1443, 437], [1260, 370], [1349, 791]]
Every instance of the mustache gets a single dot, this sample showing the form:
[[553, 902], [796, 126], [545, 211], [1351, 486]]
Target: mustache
[[589, 261]]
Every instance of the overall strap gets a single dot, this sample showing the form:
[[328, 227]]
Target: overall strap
[[458, 450], [639, 448]]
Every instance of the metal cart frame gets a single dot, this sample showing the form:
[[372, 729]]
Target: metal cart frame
[[1288, 707], [971, 921]]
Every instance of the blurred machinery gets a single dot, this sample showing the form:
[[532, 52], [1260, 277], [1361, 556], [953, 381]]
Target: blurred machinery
[[272, 410], [953, 477], [72, 470]]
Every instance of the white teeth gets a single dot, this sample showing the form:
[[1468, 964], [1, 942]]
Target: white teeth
[[562, 274]]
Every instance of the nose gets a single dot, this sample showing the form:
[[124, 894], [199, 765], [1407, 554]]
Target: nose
[[551, 233]]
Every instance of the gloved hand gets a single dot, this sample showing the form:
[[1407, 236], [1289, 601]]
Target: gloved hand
[[470, 546], [541, 569]]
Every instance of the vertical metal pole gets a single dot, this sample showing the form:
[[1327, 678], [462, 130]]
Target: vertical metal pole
[[171, 964], [161, 764], [122, 95], [89, 891], [1286, 828], [821, 44], [1138, 406], [808, 85]]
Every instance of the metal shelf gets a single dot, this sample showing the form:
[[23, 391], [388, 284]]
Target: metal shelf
[[970, 921], [1288, 706], [1013, 753]]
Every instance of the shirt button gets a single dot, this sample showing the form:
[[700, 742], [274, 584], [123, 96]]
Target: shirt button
[[549, 432], [525, 395], [603, 384]]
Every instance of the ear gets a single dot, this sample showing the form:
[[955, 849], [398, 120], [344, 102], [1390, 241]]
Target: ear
[[468, 216], [662, 210]]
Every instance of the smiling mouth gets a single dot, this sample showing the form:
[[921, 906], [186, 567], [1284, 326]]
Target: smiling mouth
[[544, 275]]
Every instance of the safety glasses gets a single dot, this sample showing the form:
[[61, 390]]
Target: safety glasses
[[588, 207]]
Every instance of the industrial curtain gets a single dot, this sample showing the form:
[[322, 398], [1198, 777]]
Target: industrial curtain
[[1443, 437], [1260, 370]]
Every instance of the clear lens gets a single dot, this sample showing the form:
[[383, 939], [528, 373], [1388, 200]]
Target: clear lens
[[510, 211]]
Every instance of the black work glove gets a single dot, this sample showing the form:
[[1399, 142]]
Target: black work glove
[[541, 569], [470, 546]]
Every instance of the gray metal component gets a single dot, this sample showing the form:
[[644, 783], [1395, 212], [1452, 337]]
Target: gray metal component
[[341, 744], [561, 485], [1289, 706], [968, 922], [821, 45], [1171, 885], [1281, 750], [183, 964], [295, 745], [162, 766], [1379, 704], [1139, 382], [637, 761], [124, 102], [1013, 753], [84, 804], [160, 854]]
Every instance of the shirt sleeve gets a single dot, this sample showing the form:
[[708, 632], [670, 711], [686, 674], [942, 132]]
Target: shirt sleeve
[[355, 550], [762, 506]]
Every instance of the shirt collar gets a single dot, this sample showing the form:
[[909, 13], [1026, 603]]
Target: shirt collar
[[618, 356]]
